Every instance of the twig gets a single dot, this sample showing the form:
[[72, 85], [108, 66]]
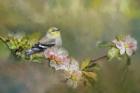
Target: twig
[[125, 72], [95, 61], [100, 58]]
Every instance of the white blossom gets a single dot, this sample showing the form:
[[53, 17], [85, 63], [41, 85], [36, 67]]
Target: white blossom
[[73, 78], [73, 74], [127, 45]]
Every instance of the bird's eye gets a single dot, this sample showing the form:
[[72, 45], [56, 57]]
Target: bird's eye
[[55, 30]]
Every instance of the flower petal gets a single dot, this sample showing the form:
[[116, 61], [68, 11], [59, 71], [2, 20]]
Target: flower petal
[[74, 65], [122, 50], [120, 45], [129, 51]]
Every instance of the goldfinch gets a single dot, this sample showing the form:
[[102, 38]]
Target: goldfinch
[[52, 38]]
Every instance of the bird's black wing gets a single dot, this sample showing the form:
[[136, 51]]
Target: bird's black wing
[[38, 48]]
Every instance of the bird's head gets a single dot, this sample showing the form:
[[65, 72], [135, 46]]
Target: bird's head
[[53, 31]]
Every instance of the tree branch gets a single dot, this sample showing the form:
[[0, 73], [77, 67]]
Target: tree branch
[[95, 61], [100, 58]]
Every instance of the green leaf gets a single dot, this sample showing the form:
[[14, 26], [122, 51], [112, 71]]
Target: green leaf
[[120, 37], [37, 58], [92, 75], [103, 44], [127, 59], [85, 63], [113, 53], [94, 68], [89, 78]]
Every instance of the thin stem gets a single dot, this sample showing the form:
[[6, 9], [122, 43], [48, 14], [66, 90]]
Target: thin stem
[[125, 70], [95, 61]]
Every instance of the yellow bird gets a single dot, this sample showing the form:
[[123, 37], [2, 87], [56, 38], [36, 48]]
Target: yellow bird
[[52, 38]]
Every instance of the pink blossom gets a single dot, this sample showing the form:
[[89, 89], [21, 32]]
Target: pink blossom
[[58, 54], [59, 58], [127, 45]]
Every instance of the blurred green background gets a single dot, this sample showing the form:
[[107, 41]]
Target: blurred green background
[[83, 23]]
